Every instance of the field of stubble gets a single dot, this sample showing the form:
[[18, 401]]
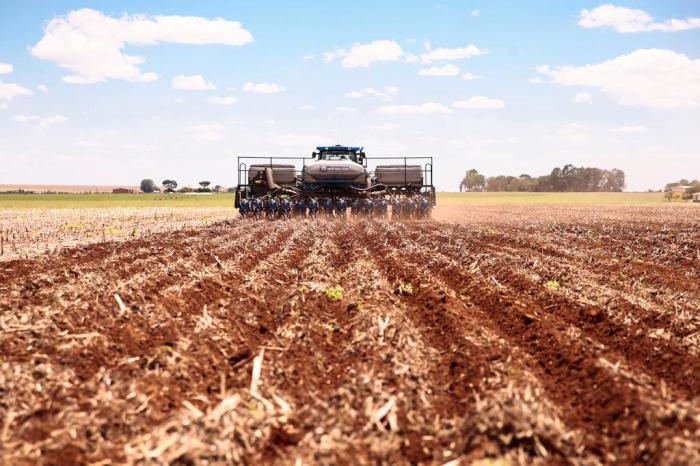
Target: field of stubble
[[496, 335]]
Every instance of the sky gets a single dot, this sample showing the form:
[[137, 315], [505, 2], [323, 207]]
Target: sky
[[107, 92]]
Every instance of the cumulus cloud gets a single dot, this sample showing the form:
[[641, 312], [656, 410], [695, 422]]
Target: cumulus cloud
[[647, 77], [90, 44], [40, 122], [228, 100], [42, 88], [6, 68], [206, 132], [385, 94], [629, 129], [446, 54], [9, 91], [475, 13], [346, 109], [479, 102], [469, 76], [262, 88], [583, 98], [364, 55], [430, 107], [442, 71], [624, 19], [195, 82]]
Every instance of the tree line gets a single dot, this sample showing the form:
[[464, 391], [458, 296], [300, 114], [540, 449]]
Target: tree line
[[566, 179], [170, 186]]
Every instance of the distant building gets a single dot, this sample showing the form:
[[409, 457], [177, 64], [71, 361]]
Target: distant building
[[680, 189], [696, 197], [122, 191]]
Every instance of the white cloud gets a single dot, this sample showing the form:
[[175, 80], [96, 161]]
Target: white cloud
[[3, 106], [6, 68], [447, 70], [629, 129], [42, 88], [470, 76], [363, 55], [646, 77], [430, 107], [583, 98], [475, 13], [206, 132], [39, 122], [90, 44], [630, 20], [346, 109], [228, 100], [479, 102], [262, 88], [308, 56], [385, 94], [445, 54], [306, 107], [385, 127], [181, 101], [9, 91], [195, 82]]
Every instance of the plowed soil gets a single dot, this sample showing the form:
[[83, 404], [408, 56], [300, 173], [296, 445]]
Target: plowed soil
[[550, 336]]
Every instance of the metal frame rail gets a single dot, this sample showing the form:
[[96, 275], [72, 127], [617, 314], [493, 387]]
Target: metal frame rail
[[427, 169]]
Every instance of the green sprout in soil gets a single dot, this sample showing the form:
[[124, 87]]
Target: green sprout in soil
[[334, 293], [405, 288], [552, 285]]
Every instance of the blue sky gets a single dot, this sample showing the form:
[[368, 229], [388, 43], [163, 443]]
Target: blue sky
[[505, 87]]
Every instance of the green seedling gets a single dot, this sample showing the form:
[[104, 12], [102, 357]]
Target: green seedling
[[330, 326], [552, 285], [334, 293]]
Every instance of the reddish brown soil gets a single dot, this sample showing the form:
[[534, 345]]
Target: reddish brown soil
[[565, 341]]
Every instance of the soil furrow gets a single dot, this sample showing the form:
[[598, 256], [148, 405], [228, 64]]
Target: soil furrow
[[612, 415], [664, 358]]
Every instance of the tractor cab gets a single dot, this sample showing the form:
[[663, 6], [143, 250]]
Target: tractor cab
[[338, 152]]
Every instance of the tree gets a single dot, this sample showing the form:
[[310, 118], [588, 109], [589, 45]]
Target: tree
[[472, 181], [218, 188], [616, 180], [567, 179], [204, 186], [147, 185], [169, 185]]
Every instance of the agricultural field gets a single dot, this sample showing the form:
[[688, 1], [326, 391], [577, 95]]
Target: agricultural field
[[105, 201], [27, 232], [496, 333]]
